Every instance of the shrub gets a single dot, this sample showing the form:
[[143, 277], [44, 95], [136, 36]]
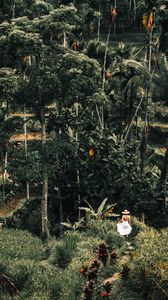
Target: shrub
[[19, 271], [72, 283], [137, 226], [64, 250], [150, 264], [121, 292], [41, 280], [20, 260], [113, 239], [99, 227], [27, 217], [20, 244]]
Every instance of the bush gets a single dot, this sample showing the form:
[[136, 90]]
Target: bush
[[41, 280], [21, 260], [137, 226], [98, 227], [122, 292], [72, 283], [27, 217], [20, 244], [19, 271], [150, 264], [113, 239], [64, 250]]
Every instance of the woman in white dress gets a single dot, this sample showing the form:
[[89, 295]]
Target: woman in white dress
[[124, 227]]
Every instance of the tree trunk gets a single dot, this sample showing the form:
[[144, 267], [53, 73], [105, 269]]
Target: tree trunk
[[4, 167], [25, 144], [142, 219], [13, 10], [64, 39], [77, 171], [105, 56], [130, 15], [104, 71], [163, 177], [143, 148], [44, 200], [98, 26], [135, 12], [3, 178], [5, 164], [60, 211], [150, 49], [126, 132]]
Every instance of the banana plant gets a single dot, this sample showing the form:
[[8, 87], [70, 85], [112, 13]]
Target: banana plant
[[73, 226], [90, 212]]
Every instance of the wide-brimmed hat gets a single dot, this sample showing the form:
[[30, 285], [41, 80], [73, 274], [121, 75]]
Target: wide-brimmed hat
[[125, 212]]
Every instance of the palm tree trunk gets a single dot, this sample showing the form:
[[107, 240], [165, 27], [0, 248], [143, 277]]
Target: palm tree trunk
[[64, 39], [105, 56], [151, 39], [6, 163], [98, 27], [150, 49], [13, 9], [130, 6], [135, 11], [104, 70], [3, 179], [143, 217], [44, 200], [128, 128], [25, 144], [77, 171], [143, 148]]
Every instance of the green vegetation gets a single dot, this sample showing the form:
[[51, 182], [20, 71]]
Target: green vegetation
[[83, 117], [55, 270]]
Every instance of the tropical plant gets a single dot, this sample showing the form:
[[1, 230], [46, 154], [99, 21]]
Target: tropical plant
[[151, 267], [64, 250], [99, 212], [73, 226]]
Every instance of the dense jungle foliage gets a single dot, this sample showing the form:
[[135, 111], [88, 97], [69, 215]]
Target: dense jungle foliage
[[83, 117]]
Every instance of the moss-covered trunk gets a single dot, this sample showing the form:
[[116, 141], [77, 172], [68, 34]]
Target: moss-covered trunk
[[44, 200]]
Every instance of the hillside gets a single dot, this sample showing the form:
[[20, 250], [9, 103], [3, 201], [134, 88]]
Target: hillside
[[70, 268], [83, 117]]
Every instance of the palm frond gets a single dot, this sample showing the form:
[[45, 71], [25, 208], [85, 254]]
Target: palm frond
[[135, 64], [88, 210], [78, 223], [66, 224], [101, 207], [89, 205]]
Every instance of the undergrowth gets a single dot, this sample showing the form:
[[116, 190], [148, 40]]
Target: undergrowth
[[61, 275]]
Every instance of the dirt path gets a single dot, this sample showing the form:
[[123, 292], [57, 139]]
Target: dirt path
[[124, 259]]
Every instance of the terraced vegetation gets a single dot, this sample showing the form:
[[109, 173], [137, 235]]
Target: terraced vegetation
[[83, 117]]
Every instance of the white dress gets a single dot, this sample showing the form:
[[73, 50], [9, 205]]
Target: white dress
[[124, 228]]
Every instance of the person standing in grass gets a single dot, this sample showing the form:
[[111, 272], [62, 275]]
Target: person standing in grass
[[123, 227]]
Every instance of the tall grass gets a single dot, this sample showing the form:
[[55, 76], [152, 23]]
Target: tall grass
[[58, 278], [64, 250], [150, 264], [20, 244]]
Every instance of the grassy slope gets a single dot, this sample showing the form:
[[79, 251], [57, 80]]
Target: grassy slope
[[43, 272]]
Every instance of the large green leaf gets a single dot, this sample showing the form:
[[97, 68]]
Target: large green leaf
[[101, 207]]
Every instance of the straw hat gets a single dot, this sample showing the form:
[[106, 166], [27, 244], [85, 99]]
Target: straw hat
[[125, 212]]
